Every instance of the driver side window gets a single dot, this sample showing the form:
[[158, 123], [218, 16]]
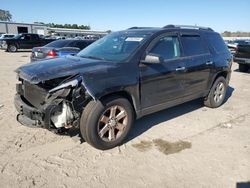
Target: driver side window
[[167, 47]]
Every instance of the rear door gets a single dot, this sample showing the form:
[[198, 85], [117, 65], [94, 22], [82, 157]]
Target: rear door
[[198, 65], [35, 41], [163, 82]]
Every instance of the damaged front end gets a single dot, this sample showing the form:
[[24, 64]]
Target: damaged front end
[[53, 104]]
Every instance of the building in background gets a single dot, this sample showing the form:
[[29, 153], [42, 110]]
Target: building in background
[[42, 29], [15, 28]]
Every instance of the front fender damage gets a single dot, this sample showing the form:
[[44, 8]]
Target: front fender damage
[[61, 107], [66, 102]]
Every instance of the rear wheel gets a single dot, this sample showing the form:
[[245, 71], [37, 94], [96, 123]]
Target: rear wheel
[[217, 93], [106, 124], [243, 67], [12, 48]]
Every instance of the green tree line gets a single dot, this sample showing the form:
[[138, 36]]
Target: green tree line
[[69, 26], [5, 15], [235, 34]]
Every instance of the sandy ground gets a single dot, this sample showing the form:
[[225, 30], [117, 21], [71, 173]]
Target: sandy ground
[[185, 146]]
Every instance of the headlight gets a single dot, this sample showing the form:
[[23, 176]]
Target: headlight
[[72, 83]]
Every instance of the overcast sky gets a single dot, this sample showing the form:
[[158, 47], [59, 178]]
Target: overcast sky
[[221, 15]]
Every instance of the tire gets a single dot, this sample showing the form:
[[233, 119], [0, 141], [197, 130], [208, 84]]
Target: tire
[[12, 48], [106, 124], [217, 93], [243, 68]]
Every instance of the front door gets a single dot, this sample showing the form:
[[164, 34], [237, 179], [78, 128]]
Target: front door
[[162, 82], [26, 41]]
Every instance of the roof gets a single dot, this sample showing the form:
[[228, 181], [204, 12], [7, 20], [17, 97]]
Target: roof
[[151, 30]]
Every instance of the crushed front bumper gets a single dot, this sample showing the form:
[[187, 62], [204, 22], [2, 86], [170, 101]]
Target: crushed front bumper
[[28, 115], [32, 117]]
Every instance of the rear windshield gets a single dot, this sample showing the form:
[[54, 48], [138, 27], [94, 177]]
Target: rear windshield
[[216, 42], [58, 44]]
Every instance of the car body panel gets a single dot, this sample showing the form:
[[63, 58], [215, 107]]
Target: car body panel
[[151, 87]]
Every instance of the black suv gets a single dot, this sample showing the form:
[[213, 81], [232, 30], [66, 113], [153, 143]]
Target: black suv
[[122, 77]]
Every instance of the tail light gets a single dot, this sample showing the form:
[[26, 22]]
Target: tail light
[[52, 53]]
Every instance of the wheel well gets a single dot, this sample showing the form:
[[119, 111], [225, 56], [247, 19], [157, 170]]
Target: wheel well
[[224, 74], [13, 44], [123, 94]]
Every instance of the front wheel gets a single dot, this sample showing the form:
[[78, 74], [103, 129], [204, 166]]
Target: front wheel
[[217, 93], [106, 124], [12, 48]]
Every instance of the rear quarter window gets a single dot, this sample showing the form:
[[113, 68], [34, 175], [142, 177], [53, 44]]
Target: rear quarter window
[[193, 45], [216, 43]]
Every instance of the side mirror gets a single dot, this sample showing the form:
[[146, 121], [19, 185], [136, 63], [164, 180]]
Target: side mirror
[[152, 58], [22, 38]]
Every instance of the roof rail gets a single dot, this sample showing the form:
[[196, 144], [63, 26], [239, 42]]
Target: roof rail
[[141, 27], [188, 27]]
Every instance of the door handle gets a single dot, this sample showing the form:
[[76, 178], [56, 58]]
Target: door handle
[[180, 69], [209, 63]]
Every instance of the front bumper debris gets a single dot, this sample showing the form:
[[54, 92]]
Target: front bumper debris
[[31, 117], [28, 115]]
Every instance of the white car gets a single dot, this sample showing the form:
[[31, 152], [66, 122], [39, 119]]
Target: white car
[[4, 36]]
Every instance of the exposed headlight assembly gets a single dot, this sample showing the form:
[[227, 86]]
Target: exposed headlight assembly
[[70, 84]]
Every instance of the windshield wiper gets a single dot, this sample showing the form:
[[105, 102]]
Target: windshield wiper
[[92, 57]]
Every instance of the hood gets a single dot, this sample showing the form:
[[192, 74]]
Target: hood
[[61, 67]]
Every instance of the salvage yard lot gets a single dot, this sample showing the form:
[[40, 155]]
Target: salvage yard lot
[[186, 146]]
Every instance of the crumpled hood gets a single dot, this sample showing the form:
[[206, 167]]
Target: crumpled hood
[[60, 67]]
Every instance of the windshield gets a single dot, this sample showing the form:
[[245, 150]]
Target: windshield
[[116, 46], [17, 36]]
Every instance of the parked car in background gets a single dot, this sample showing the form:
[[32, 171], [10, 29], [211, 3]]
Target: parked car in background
[[23, 41], [59, 48], [242, 56], [123, 76], [232, 45], [4, 36]]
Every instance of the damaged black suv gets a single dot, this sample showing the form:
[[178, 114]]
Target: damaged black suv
[[122, 77]]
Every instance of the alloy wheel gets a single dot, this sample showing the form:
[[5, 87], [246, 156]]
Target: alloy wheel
[[219, 92], [112, 123], [12, 48]]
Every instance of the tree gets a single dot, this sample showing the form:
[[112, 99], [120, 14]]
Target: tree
[[5, 15], [226, 34], [69, 26]]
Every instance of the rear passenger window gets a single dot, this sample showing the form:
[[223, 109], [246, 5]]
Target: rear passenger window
[[167, 47], [216, 43], [192, 45]]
